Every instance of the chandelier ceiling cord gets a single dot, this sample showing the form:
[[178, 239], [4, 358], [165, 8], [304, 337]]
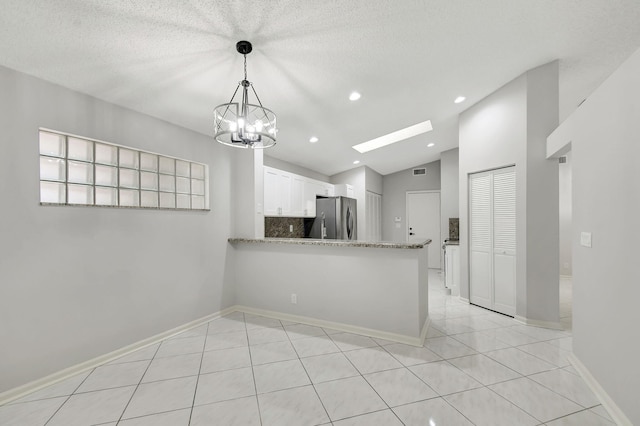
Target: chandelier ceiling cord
[[245, 125]]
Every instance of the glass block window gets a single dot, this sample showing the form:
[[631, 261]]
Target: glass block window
[[81, 171]]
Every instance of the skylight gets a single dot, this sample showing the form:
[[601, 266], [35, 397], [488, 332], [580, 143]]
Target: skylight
[[394, 137]]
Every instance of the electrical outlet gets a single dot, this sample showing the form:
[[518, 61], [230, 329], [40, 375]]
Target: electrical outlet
[[294, 298], [585, 239], [291, 228]]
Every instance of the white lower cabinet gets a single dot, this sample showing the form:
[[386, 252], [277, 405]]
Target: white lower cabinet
[[452, 269]]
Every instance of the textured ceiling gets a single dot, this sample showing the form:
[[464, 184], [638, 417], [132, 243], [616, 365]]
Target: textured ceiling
[[176, 60]]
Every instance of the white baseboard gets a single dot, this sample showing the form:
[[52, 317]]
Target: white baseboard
[[400, 338], [425, 330], [612, 408], [464, 299], [538, 323], [20, 391]]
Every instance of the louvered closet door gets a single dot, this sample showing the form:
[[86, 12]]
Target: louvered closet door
[[480, 245], [492, 240], [504, 241]]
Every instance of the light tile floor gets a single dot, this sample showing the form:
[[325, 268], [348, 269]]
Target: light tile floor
[[476, 367]]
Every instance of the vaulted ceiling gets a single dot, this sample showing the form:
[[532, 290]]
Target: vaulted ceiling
[[409, 59]]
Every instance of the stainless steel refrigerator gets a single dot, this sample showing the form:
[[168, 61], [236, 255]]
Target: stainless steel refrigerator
[[335, 219]]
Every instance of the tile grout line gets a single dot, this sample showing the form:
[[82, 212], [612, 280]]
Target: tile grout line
[[438, 393], [69, 397], [307, 373], [509, 380], [139, 382], [253, 373], [195, 391], [367, 382]]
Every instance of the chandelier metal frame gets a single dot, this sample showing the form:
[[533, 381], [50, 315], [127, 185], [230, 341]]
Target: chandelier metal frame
[[243, 124]]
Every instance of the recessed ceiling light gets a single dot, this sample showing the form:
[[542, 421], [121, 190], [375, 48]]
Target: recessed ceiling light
[[431, 144], [356, 162], [394, 137], [313, 139], [354, 96], [459, 99]]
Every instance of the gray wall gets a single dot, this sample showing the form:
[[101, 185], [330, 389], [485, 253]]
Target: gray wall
[[603, 133], [450, 188], [394, 199], [564, 199], [373, 180], [79, 282], [377, 288], [248, 182], [357, 178], [509, 127], [293, 168]]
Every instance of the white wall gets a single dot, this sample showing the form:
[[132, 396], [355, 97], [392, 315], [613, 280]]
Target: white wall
[[377, 288], [373, 180], [564, 180], [509, 127], [78, 282], [394, 204], [248, 207], [357, 178], [449, 189], [603, 133], [276, 163]]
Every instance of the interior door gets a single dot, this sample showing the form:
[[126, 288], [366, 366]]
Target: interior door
[[423, 222], [480, 244], [492, 240], [504, 241], [374, 216]]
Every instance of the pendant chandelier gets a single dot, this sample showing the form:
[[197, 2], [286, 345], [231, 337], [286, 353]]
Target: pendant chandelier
[[245, 125]]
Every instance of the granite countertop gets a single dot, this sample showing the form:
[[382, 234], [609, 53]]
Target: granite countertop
[[332, 243], [452, 243]]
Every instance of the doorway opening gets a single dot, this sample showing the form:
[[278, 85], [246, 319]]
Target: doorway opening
[[565, 226]]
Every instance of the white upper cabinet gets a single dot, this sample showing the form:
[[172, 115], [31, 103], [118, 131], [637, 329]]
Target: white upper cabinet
[[271, 192], [277, 192], [288, 194], [344, 190], [297, 196]]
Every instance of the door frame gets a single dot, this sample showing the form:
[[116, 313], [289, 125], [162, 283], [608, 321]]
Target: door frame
[[406, 213]]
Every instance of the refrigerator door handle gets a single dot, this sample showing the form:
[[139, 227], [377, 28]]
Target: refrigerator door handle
[[349, 223]]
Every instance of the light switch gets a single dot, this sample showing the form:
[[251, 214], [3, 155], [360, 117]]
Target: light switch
[[397, 226], [585, 239]]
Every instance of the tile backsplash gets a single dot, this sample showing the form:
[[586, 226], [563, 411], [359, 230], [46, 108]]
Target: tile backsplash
[[280, 227], [454, 228]]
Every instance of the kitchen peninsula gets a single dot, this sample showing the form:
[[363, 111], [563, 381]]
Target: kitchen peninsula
[[373, 288]]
